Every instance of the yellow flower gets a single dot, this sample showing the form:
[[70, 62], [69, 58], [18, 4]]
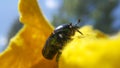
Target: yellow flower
[[93, 49], [24, 49]]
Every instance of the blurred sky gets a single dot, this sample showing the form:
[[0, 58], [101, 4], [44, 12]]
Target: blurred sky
[[9, 12]]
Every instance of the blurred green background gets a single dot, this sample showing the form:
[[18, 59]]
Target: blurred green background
[[101, 14]]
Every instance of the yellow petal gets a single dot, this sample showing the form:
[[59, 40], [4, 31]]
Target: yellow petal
[[92, 50], [31, 14], [24, 49]]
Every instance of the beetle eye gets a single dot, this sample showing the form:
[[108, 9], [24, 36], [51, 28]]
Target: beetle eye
[[70, 26]]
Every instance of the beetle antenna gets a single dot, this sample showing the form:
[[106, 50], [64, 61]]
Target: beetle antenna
[[76, 25], [79, 31], [77, 22]]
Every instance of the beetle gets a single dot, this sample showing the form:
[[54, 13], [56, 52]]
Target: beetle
[[58, 38]]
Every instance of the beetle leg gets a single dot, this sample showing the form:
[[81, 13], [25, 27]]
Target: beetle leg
[[58, 55]]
